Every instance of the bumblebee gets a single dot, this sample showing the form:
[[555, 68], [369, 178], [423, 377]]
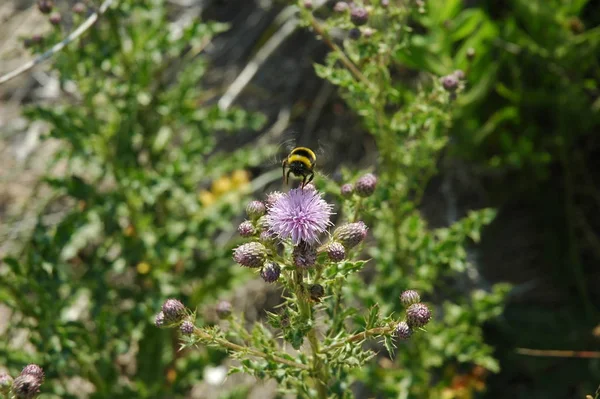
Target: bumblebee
[[301, 162]]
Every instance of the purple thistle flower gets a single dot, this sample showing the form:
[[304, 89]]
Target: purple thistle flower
[[187, 327], [246, 229], [300, 215], [173, 310], [403, 330], [417, 315], [270, 272], [34, 370], [410, 297], [26, 386], [336, 251]]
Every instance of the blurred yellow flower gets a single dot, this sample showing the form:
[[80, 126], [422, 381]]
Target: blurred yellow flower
[[206, 198], [240, 178], [143, 268], [222, 185]]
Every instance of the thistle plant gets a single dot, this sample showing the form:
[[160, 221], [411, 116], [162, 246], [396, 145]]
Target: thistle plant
[[312, 260], [25, 386]]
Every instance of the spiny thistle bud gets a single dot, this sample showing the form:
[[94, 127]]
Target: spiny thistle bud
[[55, 18], [5, 383], [354, 34], [187, 327], [410, 297], [341, 6], [350, 234], [45, 6], [273, 197], [316, 292], [270, 272], [365, 186], [255, 209], [417, 315], [347, 190], [267, 237], [304, 255], [450, 82], [26, 386], [403, 330], [336, 251], [159, 320], [78, 8], [359, 16], [246, 229], [459, 73], [173, 311], [224, 309], [252, 254], [34, 370]]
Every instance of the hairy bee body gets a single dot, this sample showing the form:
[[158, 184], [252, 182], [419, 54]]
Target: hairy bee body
[[301, 163]]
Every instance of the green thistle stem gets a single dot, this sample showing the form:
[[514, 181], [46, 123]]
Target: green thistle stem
[[361, 336]]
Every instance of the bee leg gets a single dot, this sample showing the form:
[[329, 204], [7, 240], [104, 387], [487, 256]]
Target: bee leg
[[287, 179], [283, 164], [303, 182], [310, 178]]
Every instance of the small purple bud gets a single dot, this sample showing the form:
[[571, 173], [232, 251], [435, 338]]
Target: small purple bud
[[270, 272], [186, 328], [403, 330], [347, 190], [26, 386], [410, 297], [351, 234], [308, 4], [459, 73], [316, 292], [304, 255], [246, 229], [55, 18], [6, 382], [417, 315], [252, 254], [34, 370], [255, 209], [336, 251], [267, 237], [354, 34], [359, 16], [273, 197], [159, 320], [45, 6], [450, 83], [173, 311], [365, 186], [78, 8], [224, 309], [341, 6]]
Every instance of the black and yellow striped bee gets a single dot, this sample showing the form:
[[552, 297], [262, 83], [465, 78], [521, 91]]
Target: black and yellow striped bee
[[300, 162]]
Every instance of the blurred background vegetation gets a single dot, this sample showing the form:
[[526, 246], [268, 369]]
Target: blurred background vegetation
[[128, 158]]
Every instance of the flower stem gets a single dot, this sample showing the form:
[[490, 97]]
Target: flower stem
[[357, 210], [361, 336], [238, 348], [318, 369]]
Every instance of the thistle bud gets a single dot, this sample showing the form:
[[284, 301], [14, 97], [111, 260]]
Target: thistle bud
[[403, 331], [224, 309], [336, 251], [347, 190], [267, 237], [45, 6], [252, 254], [316, 292], [6, 382], [34, 370], [341, 6], [410, 297], [173, 311], [273, 197], [365, 186], [78, 8], [159, 320], [354, 34], [385, 3], [304, 255], [255, 209], [26, 386], [246, 229], [450, 83], [417, 315], [186, 328], [308, 4], [55, 18], [270, 272], [351, 234], [359, 16], [459, 73]]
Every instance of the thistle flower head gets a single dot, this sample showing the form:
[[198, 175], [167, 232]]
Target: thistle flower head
[[270, 272], [336, 251], [365, 186], [34, 370], [450, 82], [246, 229], [417, 315], [251, 254], [351, 234], [410, 297], [187, 327], [224, 309], [255, 209], [304, 255], [26, 386], [403, 330], [173, 310], [273, 197], [347, 190], [300, 215], [359, 16]]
